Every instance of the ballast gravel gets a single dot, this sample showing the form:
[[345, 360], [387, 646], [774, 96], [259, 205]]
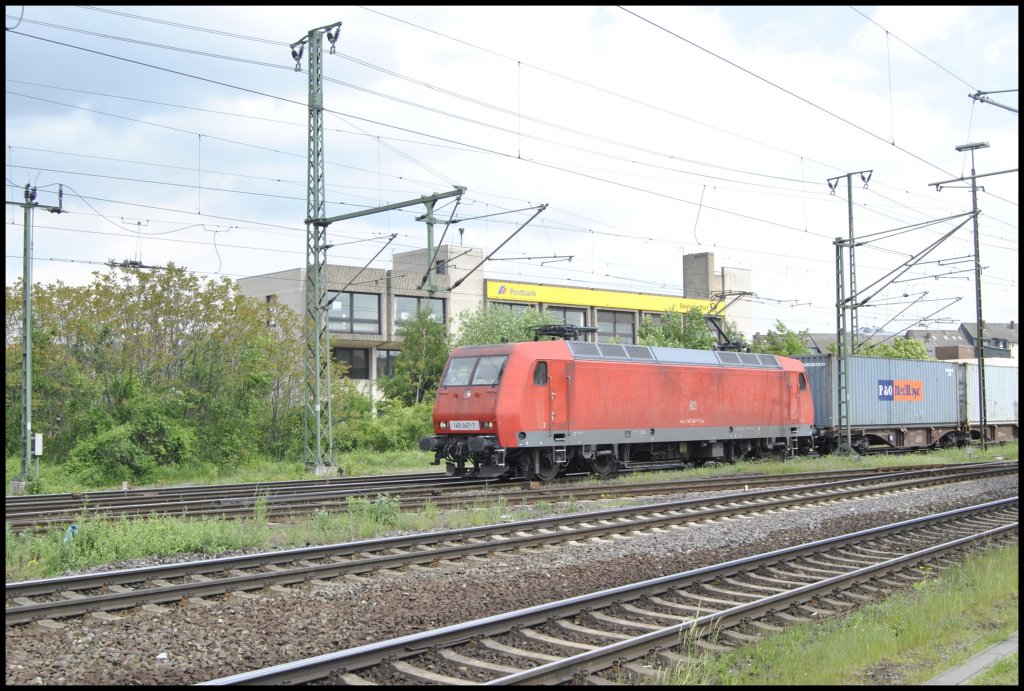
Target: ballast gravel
[[199, 641]]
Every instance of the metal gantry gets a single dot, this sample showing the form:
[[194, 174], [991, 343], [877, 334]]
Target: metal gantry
[[319, 440], [846, 330], [980, 335], [983, 97], [845, 446], [28, 205], [319, 437]]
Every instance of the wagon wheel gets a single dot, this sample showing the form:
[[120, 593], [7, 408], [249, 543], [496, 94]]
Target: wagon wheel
[[544, 466]]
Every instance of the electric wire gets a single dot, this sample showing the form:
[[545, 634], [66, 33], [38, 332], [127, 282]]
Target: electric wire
[[653, 241]]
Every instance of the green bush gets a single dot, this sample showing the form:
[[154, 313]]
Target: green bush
[[132, 451], [109, 457], [395, 428], [168, 441], [375, 435], [413, 422]]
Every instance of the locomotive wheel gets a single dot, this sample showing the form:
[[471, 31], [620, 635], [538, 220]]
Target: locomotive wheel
[[544, 466], [603, 464]]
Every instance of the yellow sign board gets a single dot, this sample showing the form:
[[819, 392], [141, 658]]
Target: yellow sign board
[[508, 291]]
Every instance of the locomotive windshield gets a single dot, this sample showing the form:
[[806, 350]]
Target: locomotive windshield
[[484, 370]]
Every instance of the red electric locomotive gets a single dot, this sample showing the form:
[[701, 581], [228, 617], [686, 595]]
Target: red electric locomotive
[[542, 409]]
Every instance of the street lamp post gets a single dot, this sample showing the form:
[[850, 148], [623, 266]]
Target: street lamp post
[[980, 336]]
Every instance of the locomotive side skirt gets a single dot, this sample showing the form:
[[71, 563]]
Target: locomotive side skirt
[[664, 434]]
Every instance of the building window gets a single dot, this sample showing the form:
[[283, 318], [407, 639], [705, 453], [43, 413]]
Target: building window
[[354, 313], [271, 300], [406, 308], [513, 306], [358, 360], [568, 315], [615, 326], [657, 318], [386, 362]]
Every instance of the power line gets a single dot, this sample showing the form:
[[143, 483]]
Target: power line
[[612, 182], [454, 94], [889, 33], [407, 102], [784, 90], [563, 169]]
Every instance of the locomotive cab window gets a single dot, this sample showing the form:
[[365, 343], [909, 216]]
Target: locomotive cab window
[[803, 382], [474, 371], [540, 373], [488, 370]]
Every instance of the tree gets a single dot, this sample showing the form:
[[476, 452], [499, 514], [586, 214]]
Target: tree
[[160, 364], [899, 349], [419, 366], [67, 395], [350, 408], [782, 341], [498, 324], [677, 330]]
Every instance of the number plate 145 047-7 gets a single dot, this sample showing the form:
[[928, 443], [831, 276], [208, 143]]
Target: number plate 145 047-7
[[465, 425]]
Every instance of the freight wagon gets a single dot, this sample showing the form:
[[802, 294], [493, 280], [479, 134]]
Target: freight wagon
[[904, 405]]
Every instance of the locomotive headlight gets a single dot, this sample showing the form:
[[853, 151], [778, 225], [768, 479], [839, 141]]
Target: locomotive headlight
[[488, 424], [443, 424]]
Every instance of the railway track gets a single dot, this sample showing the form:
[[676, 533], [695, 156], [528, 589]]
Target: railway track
[[614, 635], [110, 591], [26, 511], [287, 500]]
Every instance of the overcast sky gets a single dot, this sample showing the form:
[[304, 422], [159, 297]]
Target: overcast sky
[[180, 135]]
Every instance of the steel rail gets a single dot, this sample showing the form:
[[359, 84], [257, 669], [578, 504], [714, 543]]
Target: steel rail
[[449, 493], [144, 499], [573, 667], [370, 483], [113, 590], [247, 488], [1000, 521]]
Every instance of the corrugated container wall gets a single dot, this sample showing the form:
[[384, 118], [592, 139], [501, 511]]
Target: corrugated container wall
[[1002, 386], [885, 392]]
